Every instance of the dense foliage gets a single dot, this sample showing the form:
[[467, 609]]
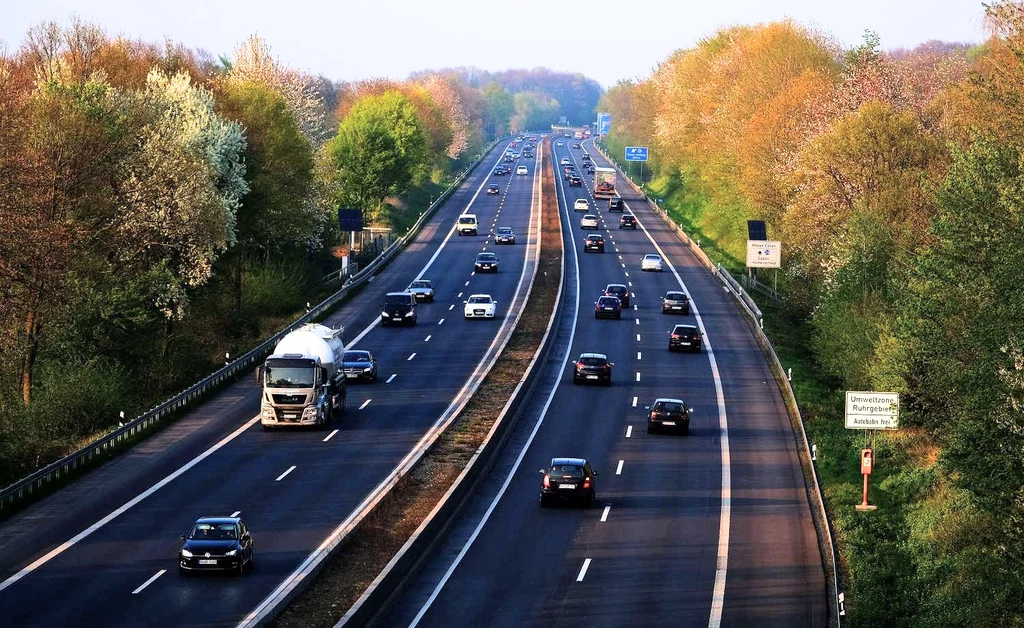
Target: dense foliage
[[894, 180], [161, 210]]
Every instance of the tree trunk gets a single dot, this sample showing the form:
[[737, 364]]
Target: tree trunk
[[31, 334], [238, 284]]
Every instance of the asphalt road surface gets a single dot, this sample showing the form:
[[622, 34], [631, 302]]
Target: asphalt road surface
[[708, 529], [102, 551]]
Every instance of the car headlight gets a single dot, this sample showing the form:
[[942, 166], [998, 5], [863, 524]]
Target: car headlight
[[368, 369], [310, 412], [186, 554], [408, 314], [232, 553], [385, 315]]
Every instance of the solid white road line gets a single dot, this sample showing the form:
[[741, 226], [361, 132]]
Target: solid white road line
[[413, 355], [629, 431], [285, 474], [150, 581], [522, 452], [722, 564], [236, 513], [390, 379], [618, 469], [39, 562], [604, 515], [583, 570], [326, 438], [365, 403]]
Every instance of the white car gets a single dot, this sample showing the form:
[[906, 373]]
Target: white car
[[522, 170], [559, 143], [480, 306], [588, 222], [565, 161], [652, 261], [581, 205]]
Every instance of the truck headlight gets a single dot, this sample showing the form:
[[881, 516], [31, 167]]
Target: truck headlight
[[268, 412], [310, 412]]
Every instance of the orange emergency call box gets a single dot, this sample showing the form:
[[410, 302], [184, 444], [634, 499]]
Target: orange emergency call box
[[865, 461]]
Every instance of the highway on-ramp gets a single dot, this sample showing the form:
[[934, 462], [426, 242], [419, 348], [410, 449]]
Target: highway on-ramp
[[102, 551], [709, 529]]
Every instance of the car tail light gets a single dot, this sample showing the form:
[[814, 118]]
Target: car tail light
[[586, 483], [547, 481], [675, 336]]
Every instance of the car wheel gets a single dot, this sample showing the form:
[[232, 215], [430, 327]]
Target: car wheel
[[686, 430], [592, 500], [618, 316], [575, 380], [650, 430], [543, 502], [608, 382], [671, 349]]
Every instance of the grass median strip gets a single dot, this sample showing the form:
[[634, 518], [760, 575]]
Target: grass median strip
[[386, 530]]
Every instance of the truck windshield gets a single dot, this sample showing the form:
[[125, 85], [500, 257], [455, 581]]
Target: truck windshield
[[289, 377]]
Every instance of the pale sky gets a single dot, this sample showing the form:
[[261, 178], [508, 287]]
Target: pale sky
[[610, 40]]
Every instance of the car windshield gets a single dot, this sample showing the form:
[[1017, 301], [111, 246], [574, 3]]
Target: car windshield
[[609, 301], [504, 230], [466, 220], [289, 377], [675, 296], [652, 258], [479, 299], [420, 284], [486, 257], [592, 361], [686, 331], [667, 406], [396, 299], [213, 531], [567, 471], [357, 356], [615, 289], [595, 238]]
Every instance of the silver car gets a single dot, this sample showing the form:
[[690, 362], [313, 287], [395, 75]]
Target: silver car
[[422, 289], [652, 261]]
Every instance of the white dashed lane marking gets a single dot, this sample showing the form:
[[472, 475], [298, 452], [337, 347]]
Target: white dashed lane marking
[[292, 468], [604, 515], [326, 438], [150, 581], [618, 469], [411, 356], [392, 378], [583, 570]]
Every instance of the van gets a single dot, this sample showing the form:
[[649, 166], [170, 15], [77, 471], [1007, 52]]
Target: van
[[522, 170], [467, 224], [399, 309]]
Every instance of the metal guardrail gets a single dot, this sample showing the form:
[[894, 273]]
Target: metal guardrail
[[748, 304], [64, 468]]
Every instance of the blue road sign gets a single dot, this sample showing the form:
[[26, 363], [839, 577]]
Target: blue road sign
[[604, 123], [636, 153]]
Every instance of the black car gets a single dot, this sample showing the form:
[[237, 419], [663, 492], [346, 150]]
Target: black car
[[504, 235], [667, 413], [216, 544], [399, 309], [499, 171], [359, 365], [627, 221], [615, 204], [494, 189], [608, 307], [684, 337], [575, 181], [675, 302], [592, 367], [568, 479], [486, 262], [618, 290], [575, 145], [594, 242], [528, 154]]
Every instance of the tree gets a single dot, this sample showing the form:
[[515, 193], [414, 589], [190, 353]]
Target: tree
[[499, 110], [378, 151]]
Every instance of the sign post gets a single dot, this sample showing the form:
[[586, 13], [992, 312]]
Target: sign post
[[637, 153], [871, 411]]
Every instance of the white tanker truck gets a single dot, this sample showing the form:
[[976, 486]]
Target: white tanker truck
[[303, 383]]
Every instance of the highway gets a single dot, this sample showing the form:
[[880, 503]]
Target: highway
[[711, 529], [102, 551]]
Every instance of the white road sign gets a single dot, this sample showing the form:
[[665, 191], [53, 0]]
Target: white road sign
[[872, 410], [764, 254]]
